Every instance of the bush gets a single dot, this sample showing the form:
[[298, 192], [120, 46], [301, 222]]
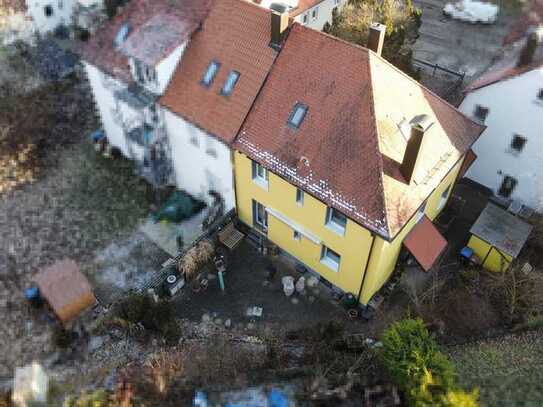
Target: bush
[[411, 357], [409, 351], [153, 316], [99, 398]]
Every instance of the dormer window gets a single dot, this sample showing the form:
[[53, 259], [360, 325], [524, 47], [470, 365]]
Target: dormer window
[[231, 81], [297, 115], [210, 73], [143, 73]]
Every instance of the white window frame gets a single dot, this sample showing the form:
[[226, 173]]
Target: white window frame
[[260, 175], [315, 14], [332, 224], [305, 18], [262, 225], [300, 197], [328, 261]]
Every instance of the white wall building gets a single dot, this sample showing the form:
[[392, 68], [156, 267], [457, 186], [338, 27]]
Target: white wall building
[[509, 101], [311, 13]]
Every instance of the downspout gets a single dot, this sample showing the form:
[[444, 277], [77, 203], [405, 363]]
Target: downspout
[[366, 268]]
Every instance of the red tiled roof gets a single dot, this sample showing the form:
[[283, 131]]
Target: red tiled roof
[[348, 148], [237, 35], [144, 18], [493, 76], [425, 243], [533, 17]]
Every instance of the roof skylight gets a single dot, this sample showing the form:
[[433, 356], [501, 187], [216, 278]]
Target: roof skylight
[[297, 115], [210, 73], [230, 82]]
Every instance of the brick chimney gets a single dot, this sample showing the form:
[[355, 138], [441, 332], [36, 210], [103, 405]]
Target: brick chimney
[[376, 37], [412, 156], [279, 25], [534, 40]]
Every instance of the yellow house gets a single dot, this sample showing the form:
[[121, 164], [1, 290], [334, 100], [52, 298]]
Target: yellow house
[[343, 157], [497, 238]]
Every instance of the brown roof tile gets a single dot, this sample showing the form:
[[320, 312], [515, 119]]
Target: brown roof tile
[[152, 23], [348, 148], [236, 34]]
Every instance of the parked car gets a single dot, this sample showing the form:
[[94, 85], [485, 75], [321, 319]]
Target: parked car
[[472, 11]]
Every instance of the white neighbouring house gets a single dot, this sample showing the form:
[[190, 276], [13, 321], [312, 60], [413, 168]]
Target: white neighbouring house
[[173, 83], [311, 13], [508, 99]]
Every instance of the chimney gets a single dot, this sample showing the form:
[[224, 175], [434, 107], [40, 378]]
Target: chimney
[[534, 40], [377, 37], [279, 25], [411, 158]]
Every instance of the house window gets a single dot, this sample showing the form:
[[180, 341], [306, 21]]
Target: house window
[[193, 136], [210, 73], [210, 147], [420, 213], [518, 142], [305, 18], [508, 184], [231, 81], [48, 10], [443, 199], [297, 235], [297, 115], [336, 221], [299, 196], [315, 13], [540, 95], [260, 175], [260, 216], [60, 4], [481, 113], [330, 258]]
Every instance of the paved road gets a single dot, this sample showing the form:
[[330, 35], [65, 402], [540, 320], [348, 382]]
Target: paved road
[[456, 45]]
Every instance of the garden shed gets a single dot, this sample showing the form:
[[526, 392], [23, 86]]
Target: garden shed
[[497, 237], [66, 289]]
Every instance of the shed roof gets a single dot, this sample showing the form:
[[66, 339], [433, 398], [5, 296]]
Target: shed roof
[[65, 289], [501, 229], [425, 243]]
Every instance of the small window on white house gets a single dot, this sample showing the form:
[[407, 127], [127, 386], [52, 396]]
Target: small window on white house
[[305, 18], [231, 81], [297, 115], [193, 136], [480, 113], [420, 213], [260, 175], [443, 199], [330, 258], [508, 184], [48, 10], [210, 73], [315, 13], [299, 196], [518, 142], [210, 147], [297, 235], [60, 4], [540, 95], [336, 221]]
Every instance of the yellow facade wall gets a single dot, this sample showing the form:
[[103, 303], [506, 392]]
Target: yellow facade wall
[[493, 259], [385, 254], [353, 246]]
